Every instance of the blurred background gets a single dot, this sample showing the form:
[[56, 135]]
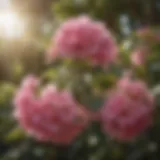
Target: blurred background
[[26, 29]]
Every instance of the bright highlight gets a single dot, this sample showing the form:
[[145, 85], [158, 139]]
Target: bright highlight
[[11, 26]]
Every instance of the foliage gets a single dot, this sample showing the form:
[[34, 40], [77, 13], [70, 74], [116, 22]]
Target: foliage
[[88, 84], [139, 12]]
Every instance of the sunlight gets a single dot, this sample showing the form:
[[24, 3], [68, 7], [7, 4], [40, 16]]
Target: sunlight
[[11, 26]]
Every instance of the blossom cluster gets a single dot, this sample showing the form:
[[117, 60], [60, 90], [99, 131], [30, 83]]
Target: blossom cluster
[[50, 114], [83, 38]]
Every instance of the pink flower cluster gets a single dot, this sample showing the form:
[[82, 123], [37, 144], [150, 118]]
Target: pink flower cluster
[[83, 38], [52, 116], [128, 110]]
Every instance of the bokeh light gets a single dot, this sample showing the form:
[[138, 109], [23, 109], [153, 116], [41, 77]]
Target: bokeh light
[[11, 25]]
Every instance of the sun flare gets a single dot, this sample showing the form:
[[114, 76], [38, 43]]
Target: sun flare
[[11, 26]]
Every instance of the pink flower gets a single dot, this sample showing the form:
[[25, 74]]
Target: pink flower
[[85, 39], [53, 116], [128, 110], [139, 56]]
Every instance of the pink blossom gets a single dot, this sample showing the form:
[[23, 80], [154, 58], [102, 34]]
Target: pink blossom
[[128, 110], [139, 57], [85, 39], [52, 116]]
